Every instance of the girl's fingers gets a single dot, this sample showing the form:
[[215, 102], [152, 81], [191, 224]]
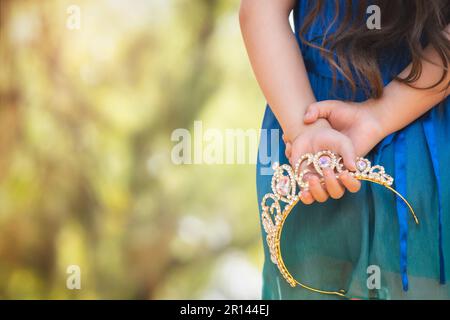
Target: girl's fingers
[[321, 109], [334, 188], [353, 185], [347, 151], [306, 197], [316, 189]]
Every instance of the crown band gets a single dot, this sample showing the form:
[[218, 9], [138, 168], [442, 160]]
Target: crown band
[[286, 181]]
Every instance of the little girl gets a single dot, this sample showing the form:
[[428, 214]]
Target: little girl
[[338, 84]]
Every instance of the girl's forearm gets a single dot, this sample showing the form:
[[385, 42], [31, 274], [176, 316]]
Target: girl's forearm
[[401, 104], [277, 61]]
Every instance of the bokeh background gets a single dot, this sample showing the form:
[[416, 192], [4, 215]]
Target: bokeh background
[[86, 177]]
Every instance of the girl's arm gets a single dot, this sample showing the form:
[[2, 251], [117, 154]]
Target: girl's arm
[[401, 104], [367, 123], [277, 61], [280, 70]]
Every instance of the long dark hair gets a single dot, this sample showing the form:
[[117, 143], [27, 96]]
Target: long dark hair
[[403, 21]]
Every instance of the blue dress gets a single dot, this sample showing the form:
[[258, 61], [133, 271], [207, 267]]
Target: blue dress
[[330, 246]]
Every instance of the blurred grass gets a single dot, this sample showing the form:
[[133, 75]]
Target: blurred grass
[[85, 172]]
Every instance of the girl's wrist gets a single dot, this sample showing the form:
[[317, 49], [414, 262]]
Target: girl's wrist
[[373, 117]]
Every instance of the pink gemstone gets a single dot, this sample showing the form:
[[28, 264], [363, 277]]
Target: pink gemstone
[[324, 161], [361, 165], [283, 186]]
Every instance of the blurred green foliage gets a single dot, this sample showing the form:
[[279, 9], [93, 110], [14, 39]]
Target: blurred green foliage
[[85, 171]]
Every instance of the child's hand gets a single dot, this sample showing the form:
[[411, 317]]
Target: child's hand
[[355, 120], [315, 139]]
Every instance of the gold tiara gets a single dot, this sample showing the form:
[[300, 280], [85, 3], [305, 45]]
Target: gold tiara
[[285, 183]]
